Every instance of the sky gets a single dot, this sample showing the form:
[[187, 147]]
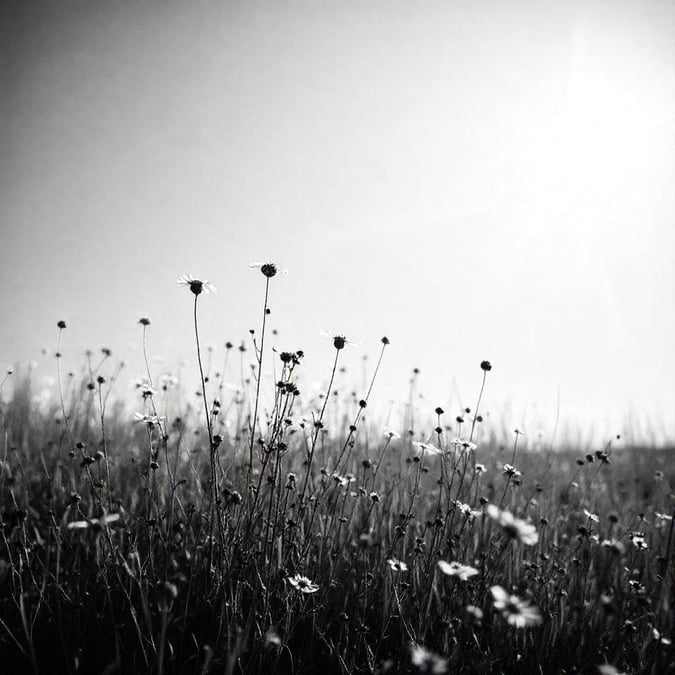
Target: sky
[[475, 180]]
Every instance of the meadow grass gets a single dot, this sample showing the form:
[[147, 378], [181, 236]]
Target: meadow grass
[[221, 533]]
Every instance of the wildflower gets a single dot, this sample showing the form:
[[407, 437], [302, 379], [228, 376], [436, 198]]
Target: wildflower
[[486, 366], [480, 468], [661, 517], [302, 584], [61, 324], [658, 476], [474, 614], [93, 522], [272, 638], [614, 545], [658, 637], [339, 340], [144, 321], [456, 569], [463, 444], [638, 539], [517, 612], [524, 532], [608, 669], [269, 269], [591, 516], [427, 661], [391, 434], [427, 448], [396, 565], [374, 497], [196, 285], [150, 420], [511, 471]]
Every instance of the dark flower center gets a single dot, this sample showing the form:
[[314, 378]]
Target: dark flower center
[[196, 286], [269, 269]]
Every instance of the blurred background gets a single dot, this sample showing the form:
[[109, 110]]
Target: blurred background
[[475, 180]]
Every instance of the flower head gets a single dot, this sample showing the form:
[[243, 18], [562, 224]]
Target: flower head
[[524, 532], [197, 286], [517, 612], [269, 269], [302, 584], [456, 569], [339, 340], [396, 565], [426, 661], [511, 471], [144, 321], [463, 445], [392, 435], [427, 448], [591, 516]]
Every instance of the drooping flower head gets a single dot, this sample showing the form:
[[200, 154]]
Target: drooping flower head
[[517, 612], [197, 286]]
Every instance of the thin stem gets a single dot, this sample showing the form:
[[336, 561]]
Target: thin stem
[[259, 357]]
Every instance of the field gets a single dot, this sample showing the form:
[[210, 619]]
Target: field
[[259, 530]]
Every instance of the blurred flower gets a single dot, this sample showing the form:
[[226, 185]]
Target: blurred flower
[[93, 522], [638, 539], [524, 532], [456, 569], [196, 285], [480, 468], [396, 565], [426, 661], [591, 516], [427, 448], [391, 434], [144, 321], [303, 584], [150, 420], [614, 545], [607, 669], [463, 444], [517, 612], [510, 470]]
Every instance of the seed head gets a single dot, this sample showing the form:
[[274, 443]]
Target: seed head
[[144, 321], [486, 366], [61, 324]]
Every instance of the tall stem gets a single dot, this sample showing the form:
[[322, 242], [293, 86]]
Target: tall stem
[[206, 410], [257, 387]]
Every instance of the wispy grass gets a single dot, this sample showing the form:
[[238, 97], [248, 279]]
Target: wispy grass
[[227, 536]]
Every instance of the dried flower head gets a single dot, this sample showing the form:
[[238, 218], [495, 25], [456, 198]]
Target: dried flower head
[[144, 321], [486, 366]]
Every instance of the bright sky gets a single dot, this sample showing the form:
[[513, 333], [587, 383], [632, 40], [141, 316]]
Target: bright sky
[[476, 180]]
